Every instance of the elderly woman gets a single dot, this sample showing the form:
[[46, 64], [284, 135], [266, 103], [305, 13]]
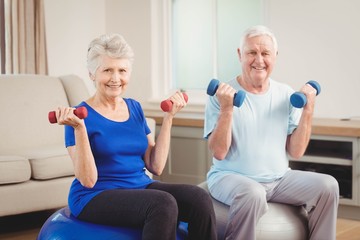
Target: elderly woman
[[111, 149]]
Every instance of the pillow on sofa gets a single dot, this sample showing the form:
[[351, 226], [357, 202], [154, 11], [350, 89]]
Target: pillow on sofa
[[50, 162], [14, 169]]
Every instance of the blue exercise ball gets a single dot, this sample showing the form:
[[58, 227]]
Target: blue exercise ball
[[62, 225]]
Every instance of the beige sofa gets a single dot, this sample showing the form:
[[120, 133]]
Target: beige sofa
[[35, 169]]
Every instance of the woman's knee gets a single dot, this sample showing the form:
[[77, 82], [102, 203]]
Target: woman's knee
[[161, 217], [200, 197], [164, 206]]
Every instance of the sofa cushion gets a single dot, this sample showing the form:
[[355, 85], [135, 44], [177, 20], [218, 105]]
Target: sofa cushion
[[33, 195], [50, 162], [14, 169]]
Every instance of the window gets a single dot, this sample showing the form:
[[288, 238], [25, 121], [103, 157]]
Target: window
[[193, 34], [205, 37], [195, 41]]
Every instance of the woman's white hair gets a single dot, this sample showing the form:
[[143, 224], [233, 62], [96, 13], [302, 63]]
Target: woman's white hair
[[255, 31], [112, 45]]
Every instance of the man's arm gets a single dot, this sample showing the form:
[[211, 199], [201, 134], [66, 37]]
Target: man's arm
[[219, 140], [298, 141]]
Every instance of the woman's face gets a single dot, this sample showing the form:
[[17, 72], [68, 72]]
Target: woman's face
[[258, 59], [112, 76]]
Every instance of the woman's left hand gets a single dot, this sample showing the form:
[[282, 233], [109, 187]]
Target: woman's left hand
[[178, 102]]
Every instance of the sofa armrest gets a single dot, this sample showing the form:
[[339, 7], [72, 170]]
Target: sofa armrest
[[75, 89]]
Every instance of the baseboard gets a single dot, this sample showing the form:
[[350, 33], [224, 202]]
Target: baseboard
[[349, 212]]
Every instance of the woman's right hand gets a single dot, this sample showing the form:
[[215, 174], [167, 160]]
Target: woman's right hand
[[66, 116]]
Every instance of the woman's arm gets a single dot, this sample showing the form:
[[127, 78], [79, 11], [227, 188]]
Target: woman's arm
[[157, 153], [81, 155]]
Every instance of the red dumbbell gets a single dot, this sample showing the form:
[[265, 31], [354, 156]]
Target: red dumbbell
[[166, 105], [80, 112]]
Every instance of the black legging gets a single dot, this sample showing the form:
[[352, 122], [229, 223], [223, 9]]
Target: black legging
[[156, 209]]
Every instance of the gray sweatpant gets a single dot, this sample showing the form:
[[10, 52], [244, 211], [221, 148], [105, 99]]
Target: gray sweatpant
[[319, 193]]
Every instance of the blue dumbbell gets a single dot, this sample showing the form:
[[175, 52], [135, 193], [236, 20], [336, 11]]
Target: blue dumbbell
[[238, 97], [298, 99]]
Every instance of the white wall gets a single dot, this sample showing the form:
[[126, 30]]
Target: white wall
[[318, 39], [131, 18], [70, 26]]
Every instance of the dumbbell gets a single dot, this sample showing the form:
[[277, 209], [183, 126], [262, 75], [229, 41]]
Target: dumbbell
[[298, 99], [238, 97], [80, 112], [166, 105]]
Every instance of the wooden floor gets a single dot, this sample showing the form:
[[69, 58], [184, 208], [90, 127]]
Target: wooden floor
[[347, 229], [27, 227]]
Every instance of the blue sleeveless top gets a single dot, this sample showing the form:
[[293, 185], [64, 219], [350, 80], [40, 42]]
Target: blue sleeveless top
[[118, 149]]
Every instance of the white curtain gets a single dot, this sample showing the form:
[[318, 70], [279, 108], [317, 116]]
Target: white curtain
[[25, 45]]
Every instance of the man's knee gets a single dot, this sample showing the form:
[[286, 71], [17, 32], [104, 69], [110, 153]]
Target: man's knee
[[254, 198], [330, 185]]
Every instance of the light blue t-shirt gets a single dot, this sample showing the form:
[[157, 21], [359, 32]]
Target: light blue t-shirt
[[118, 149], [259, 131]]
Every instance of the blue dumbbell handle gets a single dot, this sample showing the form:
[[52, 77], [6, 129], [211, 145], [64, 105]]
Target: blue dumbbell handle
[[298, 99], [238, 97]]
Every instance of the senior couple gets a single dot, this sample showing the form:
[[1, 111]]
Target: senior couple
[[112, 147]]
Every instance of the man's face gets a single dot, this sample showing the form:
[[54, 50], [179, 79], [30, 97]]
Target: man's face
[[257, 59]]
